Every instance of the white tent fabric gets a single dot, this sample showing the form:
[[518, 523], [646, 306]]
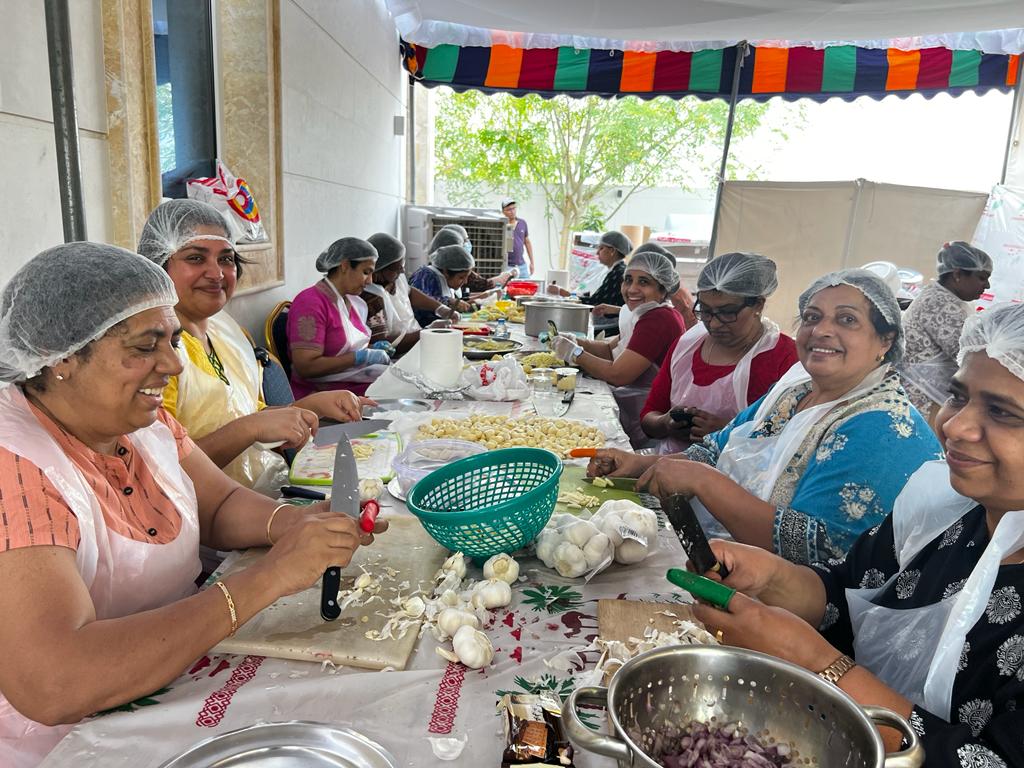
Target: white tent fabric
[[691, 25]]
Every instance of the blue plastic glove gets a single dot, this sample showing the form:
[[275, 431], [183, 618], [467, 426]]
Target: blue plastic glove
[[372, 357], [386, 345]]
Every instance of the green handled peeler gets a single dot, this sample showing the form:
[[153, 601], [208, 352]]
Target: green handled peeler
[[701, 587]]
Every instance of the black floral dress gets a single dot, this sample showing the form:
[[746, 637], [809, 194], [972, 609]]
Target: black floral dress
[[987, 730]]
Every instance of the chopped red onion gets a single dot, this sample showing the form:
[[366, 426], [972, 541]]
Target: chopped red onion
[[698, 745]]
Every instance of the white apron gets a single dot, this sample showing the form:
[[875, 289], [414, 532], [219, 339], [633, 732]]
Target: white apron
[[406, 318], [123, 576], [205, 403], [724, 397], [917, 651], [755, 464], [627, 322], [630, 398], [355, 339], [392, 323]]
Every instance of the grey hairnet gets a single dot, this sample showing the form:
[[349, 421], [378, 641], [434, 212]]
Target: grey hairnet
[[452, 258], [875, 291], [618, 241], [960, 255], [445, 237], [345, 249], [652, 247], [459, 230], [389, 249], [68, 296], [173, 224], [739, 274], [999, 333], [659, 266]]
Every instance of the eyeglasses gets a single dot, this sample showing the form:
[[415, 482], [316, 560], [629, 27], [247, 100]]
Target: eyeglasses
[[724, 315]]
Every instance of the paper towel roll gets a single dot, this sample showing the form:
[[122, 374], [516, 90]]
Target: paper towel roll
[[559, 277], [441, 355]]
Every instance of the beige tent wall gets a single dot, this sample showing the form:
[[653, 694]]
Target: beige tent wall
[[812, 228]]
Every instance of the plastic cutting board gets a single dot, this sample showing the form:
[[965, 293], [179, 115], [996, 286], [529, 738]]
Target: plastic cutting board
[[572, 480], [314, 465]]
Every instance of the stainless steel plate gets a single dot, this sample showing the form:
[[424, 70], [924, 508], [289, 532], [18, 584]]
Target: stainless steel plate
[[470, 348], [405, 404], [294, 744]]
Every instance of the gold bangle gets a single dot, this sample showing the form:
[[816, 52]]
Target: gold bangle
[[231, 607], [837, 669], [270, 520]]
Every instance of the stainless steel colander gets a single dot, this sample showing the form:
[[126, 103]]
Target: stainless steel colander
[[676, 685]]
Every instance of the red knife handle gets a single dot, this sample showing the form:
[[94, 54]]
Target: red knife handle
[[368, 515]]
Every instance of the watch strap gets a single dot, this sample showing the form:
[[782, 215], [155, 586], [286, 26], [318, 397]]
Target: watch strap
[[837, 669]]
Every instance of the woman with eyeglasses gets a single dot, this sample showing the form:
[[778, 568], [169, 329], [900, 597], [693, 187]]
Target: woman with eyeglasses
[[820, 458], [728, 360]]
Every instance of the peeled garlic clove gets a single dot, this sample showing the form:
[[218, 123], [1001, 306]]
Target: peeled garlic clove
[[444, 653], [492, 593], [473, 647], [502, 566]]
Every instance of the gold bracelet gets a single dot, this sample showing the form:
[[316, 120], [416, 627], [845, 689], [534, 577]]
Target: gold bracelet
[[837, 669], [270, 520], [231, 608]]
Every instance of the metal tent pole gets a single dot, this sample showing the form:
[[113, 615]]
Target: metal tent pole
[[1016, 115], [65, 120], [741, 54]]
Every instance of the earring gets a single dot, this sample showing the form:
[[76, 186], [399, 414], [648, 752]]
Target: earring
[[59, 377], [880, 358]]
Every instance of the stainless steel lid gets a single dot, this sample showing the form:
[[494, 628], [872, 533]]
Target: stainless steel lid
[[286, 745]]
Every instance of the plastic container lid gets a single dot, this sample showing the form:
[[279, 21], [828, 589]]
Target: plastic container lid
[[423, 457]]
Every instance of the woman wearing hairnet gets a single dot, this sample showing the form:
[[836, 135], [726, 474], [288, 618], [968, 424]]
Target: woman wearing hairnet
[[928, 603], [440, 279], [934, 320], [820, 458], [648, 327], [477, 286], [612, 250], [327, 334], [104, 501], [218, 396], [726, 362]]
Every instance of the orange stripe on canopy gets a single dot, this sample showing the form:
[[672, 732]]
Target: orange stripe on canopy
[[903, 69], [503, 70], [1011, 69], [770, 65], [638, 71]]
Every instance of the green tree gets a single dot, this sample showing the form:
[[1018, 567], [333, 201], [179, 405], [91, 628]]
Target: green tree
[[578, 149]]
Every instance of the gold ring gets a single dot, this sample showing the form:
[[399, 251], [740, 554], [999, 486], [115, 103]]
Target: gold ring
[[719, 635]]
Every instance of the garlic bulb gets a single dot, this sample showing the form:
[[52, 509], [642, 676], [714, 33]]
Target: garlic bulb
[[579, 532], [598, 550], [450, 598], [451, 619], [370, 488], [473, 647], [492, 593], [503, 567], [546, 543], [569, 560], [630, 551], [455, 564]]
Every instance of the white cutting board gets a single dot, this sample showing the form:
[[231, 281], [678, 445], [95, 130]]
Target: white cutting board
[[292, 627]]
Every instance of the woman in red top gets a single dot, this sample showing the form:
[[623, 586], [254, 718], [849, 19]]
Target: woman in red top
[[728, 360]]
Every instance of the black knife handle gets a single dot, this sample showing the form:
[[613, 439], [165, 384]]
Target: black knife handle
[[292, 492], [684, 520], [329, 608]]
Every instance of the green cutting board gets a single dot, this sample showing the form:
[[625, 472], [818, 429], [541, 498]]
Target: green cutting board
[[572, 480]]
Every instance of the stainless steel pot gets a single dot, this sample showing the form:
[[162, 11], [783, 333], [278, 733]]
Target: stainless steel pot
[[680, 684], [574, 318]]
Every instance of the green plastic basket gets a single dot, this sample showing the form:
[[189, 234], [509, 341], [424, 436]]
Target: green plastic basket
[[494, 502]]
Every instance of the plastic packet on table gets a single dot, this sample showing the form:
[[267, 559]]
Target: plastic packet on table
[[574, 547], [502, 380], [420, 459]]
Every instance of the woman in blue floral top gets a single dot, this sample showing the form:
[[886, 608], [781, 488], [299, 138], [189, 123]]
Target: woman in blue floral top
[[928, 604], [823, 455]]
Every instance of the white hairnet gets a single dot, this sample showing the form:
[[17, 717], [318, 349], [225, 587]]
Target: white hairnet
[[389, 249], [345, 249], [618, 241], [878, 294], [445, 236], [457, 229], [999, 333], [452, 258], [739, 274], [172, 225], [651, 247], [68, 296], [960, 255], [659, 266]]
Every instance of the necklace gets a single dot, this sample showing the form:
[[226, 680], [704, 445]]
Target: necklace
[[216, 364]]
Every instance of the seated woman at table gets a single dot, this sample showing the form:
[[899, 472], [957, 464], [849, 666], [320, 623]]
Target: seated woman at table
[[612, 250], [440, 280], [927, 603], [327, 334], [218, 396], [719, 367], [389, 308], [648, 327], [104, 501], [477, 286], [820, 458]]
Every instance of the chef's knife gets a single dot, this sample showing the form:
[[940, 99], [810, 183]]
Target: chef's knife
[[330, 435], [618, 483], [684, 520], [344, 499]]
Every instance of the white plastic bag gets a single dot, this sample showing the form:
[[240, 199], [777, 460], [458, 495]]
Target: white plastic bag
[[633, 529], [233, 198], [496, 380]]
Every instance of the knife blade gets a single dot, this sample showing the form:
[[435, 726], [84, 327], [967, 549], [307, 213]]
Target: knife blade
[[618, 483], [344, 499], [684, 521], [331, 434]]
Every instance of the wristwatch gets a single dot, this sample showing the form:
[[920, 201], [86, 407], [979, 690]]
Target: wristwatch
[[837, 669]]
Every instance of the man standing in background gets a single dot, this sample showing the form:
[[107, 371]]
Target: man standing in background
[[520, 241]]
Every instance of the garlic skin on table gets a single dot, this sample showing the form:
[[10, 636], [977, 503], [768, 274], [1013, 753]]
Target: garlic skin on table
[[471, 648], [502, 566], [491, 593]]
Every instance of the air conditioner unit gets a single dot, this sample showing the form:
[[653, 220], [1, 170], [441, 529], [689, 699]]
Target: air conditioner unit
[[488, 231]]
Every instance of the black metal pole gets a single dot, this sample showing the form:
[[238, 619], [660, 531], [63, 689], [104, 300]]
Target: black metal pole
[[741, 53], [65, 119], [1016, 109]]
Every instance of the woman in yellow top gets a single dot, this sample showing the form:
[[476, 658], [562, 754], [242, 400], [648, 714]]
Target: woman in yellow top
[[218, 397]]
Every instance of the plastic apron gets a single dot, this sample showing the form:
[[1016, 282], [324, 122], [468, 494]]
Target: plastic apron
[[392, 322], [724, 397], [205, 403], [356, 338], [755, 464], [630, 398], [123, 576], [917, 651], [406, 319]]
